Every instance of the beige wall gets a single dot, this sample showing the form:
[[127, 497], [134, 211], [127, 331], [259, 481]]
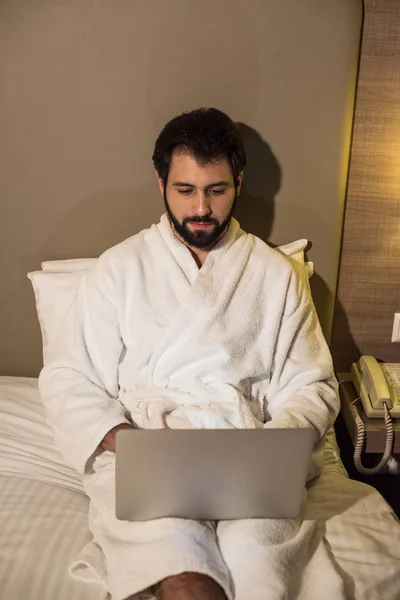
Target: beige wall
[[86, 87], [369, 284]]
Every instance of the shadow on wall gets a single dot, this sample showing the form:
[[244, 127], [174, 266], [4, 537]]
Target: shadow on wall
[[343, 347], [256, 212], [262, 181]]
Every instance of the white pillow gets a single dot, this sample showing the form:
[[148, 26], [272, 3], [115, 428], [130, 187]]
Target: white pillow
[[55, 287], [295, 253], [54, 293], [27, 446], [71, 264]]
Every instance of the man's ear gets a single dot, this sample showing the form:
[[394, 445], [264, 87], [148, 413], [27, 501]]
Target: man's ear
[[160, 184], [239, 181]]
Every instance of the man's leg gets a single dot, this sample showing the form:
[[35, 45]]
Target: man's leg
[[140, 555], [278, 559], [189, 586], [258, 553]]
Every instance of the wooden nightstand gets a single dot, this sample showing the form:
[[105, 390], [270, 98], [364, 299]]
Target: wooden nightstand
[[375, 428]]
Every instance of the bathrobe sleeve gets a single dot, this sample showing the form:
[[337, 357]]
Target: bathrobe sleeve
[[79, 383], [302, 391]]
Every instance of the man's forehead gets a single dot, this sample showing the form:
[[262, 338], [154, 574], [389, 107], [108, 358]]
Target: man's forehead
[[184, 166]]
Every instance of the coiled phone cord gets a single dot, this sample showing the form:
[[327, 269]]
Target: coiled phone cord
[[361, 437]]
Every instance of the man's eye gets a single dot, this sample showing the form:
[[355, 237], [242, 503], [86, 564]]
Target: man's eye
[[218, 192], [185, 192]]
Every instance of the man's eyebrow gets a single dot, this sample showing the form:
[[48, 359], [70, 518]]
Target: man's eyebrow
[[190, 185], [182, 183]]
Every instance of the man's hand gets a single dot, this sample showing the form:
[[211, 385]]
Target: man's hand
[[108, 442]]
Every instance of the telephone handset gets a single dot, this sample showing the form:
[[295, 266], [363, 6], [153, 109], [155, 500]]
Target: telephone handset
[[377, 384]]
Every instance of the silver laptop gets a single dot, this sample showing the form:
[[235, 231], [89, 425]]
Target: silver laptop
[[211, 474]]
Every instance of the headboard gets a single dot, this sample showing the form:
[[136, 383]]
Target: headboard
[[87, 86]]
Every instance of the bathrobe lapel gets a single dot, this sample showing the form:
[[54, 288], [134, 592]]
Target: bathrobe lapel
[[204, 292]]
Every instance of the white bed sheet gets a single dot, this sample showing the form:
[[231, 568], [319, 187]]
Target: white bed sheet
[[42, 529], [43, 514], [27, 446]]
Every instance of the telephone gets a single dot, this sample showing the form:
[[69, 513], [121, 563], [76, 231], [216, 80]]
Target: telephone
[[378, 388], [377, 384]]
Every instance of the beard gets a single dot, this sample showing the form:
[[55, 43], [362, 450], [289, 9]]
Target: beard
[[199, 239]]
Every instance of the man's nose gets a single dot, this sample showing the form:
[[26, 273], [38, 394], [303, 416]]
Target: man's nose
[[203, 207]]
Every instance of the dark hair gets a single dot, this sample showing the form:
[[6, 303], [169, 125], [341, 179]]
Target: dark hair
[[207, 134]]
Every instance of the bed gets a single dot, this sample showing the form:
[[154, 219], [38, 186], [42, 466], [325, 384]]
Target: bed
[[43, 508]]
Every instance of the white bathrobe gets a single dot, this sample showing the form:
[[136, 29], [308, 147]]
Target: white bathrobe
[[154, 340]]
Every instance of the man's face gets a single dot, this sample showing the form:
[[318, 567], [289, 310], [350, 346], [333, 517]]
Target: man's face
[[199, 198]]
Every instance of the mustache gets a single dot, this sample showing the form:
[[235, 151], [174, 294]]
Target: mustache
[[200, 220]]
